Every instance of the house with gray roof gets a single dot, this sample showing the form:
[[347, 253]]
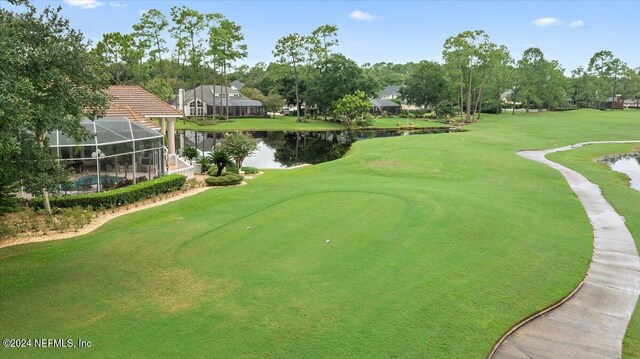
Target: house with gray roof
[[390, 92], [205, 96], [380, 107], [237, 85]]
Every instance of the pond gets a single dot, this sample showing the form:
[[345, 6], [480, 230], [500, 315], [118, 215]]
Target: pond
[[282, 149], [628, 164]]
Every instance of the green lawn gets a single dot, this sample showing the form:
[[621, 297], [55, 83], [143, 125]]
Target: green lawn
[[392, 122], [288, 123], [439, 243], [626, 201]]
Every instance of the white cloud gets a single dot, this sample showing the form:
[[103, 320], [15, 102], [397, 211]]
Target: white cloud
[[362, 16], [117, 4], [84, 4], [546, 21], [576, 24]]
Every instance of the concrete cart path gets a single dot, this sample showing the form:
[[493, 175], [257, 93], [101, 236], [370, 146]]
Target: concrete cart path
[[592, 323]]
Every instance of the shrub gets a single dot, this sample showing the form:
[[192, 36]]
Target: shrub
[[220, 159], [231, 169], [6, 230], [445, 108], [204, 163], [250, 170], [190, 153], [230, 179], [120, 196]]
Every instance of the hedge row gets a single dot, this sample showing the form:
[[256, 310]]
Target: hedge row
[[229, 179], [118, 197], [250, 170]]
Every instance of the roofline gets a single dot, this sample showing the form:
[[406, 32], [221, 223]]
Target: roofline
[[157, 98]]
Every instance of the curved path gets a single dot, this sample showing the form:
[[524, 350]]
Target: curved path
[[593, 321]]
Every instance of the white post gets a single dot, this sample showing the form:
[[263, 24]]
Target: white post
[[172, 140], [163, 126]]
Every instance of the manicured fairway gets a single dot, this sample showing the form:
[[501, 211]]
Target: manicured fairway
[[392, 122], [624, 199], [438, 244], [288, 123]]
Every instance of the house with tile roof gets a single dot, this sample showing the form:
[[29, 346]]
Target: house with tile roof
[[139, 105]]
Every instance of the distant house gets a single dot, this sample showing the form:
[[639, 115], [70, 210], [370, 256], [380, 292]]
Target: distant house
[[239, 105], [380, 106], [236, 85], [389, 93], [392, 92], [629, 103], [613, 103], [507, 98]]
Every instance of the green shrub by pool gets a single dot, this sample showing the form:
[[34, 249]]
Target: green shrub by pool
[[118, 197]]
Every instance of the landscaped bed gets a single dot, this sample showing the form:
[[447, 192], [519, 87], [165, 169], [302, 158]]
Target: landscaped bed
[[417, 246]]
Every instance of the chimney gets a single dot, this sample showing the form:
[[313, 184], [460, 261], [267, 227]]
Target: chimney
[[181, 100]]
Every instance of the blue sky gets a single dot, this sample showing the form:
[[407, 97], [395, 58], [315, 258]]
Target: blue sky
[[400, 31]]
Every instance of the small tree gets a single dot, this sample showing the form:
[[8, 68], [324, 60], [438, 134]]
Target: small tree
[[221, 160], [239, 145], [8, 200], [352, 108], [273, 102], [190, 153]]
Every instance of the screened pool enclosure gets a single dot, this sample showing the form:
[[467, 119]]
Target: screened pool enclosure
[[120, 152]]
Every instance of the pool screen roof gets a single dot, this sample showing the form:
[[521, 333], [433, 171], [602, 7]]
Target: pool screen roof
[[106, 130]]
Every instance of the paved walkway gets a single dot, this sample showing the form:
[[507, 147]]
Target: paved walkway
[[592, 323]]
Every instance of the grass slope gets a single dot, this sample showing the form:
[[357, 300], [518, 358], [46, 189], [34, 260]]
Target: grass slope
[[626, 201], [288, 123], [439, 243]]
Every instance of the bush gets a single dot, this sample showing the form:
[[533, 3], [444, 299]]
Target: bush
[[250, 170], [445, 108], [231, 169], [230, 179], [190, 153], [204, 163], [6, 230], [120, 196]]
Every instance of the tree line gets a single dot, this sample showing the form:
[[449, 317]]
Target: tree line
[[476, 74]]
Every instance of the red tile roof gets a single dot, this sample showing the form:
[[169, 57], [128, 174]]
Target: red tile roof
[[119, 110], [141, 101]]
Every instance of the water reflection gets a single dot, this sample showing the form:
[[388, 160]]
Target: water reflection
[[628, 164], [281, 149]]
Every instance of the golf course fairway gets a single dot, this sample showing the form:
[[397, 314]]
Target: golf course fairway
[[414, 246]]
